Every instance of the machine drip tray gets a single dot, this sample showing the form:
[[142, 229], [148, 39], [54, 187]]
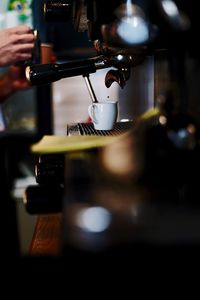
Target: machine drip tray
[[88, 129]]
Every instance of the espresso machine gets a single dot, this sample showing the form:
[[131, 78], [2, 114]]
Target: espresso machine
[[142, 189]]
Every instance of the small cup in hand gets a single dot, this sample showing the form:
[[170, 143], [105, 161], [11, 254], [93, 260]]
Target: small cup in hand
[[103, 115], [47, 53]]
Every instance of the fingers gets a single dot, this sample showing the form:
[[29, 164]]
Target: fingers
[[16, 44], [23, 44], [21, 34], [23, 56], [25, 38], [24, 48], [21, 29]]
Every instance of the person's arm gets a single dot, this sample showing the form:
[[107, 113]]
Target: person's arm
[[16, 44], [12, 81]]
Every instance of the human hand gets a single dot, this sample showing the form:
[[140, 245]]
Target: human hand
[[16, 44]]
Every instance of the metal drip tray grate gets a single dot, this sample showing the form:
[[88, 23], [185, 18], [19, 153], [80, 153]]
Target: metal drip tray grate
[[88, 129]]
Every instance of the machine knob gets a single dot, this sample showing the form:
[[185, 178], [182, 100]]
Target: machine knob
[[58, 11]]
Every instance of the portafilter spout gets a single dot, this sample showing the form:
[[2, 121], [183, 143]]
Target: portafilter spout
[[90, 88]]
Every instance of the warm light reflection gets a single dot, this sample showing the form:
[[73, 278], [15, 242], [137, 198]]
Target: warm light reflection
[[120, 158], [162, 120], [191, 129], [94, 219]]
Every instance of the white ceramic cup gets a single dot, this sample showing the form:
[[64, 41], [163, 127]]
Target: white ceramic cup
[[103, 114]]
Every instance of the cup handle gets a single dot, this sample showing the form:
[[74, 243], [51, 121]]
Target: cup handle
[[91, 112]]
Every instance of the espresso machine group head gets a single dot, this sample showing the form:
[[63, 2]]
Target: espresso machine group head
[[118, 31], [122, 32]]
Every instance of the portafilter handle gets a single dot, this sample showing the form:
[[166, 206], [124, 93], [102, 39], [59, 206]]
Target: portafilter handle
[[46, 73]]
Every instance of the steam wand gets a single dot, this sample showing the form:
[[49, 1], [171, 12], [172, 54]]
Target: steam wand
[[90, 88]]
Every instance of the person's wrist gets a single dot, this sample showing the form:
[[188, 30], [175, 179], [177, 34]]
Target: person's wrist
[[6, 86]]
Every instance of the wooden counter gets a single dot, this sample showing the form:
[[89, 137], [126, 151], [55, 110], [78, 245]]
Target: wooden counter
[[47, 236]]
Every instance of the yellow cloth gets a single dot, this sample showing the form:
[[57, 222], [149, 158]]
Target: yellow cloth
[[61, 144]]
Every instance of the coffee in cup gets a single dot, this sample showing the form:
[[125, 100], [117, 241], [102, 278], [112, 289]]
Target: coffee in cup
[[47, 53]]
